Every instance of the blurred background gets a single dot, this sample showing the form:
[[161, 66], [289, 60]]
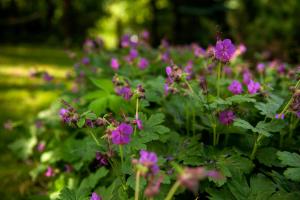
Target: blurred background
[[261, 24], [34, 36]]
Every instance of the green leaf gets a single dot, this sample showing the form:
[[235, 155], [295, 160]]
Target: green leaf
[[98, 106], [273, 126], [94, 95], [23, 147], [261, 187], [270, 108], [221, 194], [67, 194], [81, 122], [239, 187], [241, 99], [292, 174], [293, 160], [243, 124], [267, 156], [289, 159], [104, 84], [91, 181]]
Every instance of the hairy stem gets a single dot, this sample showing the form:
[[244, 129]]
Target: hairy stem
[[121, 154], [218, 79], [214, 126], [137, 185], [173, 190], [256, 144]]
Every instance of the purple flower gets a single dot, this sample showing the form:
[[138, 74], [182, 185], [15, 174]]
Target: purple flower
[[226, 117], [95, 196], [281, 68], [165, 56], [8, 125], [125, 41], [49, 172], [189, 70], [121, 135], [133, 53], [247, 77], [149, 160], [89, 123], [41, 146], [164, 43], [101, 158], [114, 63], [139, 124], [279, 116], [253, 87], [227, 70], [168, 70], [145, 35], [125, 92], [260, 67], [68, 168], [143, 63], [224, 50], [85, 61], [298, 114], [38, 124], [47, 77], [235, 87], [166, 88], [198, 51], [64, 114]]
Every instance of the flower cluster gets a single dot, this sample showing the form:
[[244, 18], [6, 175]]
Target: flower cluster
[[190, 177], [226, 117], [224, 50], [121, 135]]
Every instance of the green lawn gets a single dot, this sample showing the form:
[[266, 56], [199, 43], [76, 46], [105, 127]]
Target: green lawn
[[21, 98]]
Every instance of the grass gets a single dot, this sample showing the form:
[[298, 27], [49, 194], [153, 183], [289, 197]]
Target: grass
[[21, 98]]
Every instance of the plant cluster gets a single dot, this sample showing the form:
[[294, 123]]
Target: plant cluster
[[144, 123]]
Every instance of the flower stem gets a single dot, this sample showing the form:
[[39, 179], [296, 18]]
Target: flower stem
[[94, 137], [121, 154], [172, 190], [137, 185], [194, 122], [214, 134], [256, 144], [291, 99], [218, 79], [136, 114]]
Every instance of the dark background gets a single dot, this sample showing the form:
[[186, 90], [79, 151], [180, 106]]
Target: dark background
[[272, 25]]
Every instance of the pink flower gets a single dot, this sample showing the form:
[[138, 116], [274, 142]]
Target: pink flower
[[226, 117], [121, 135], [253, 87], [235, 87], [49, 172], [143, 63], [114, 63]]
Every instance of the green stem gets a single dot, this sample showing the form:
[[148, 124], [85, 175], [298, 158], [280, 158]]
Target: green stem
[[173, 190], [121, 154], [256, 144], [94, 137], [187, 126], [214, 134], [194, 122], [136, 114], [218, 79], [137, 185], [291, 99]]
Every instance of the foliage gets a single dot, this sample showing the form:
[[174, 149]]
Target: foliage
[[143, 122]]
